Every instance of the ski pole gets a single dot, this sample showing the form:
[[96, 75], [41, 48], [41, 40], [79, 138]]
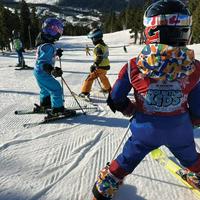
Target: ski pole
[[126, 132], [62, 80], [73, 95]]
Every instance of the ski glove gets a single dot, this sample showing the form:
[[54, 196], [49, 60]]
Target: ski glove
[[126, 107], [57, 72], [93, 68], [130, 110], [47, 68], [59, 52]]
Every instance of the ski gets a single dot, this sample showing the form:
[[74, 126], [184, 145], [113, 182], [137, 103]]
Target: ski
[[161, 157], [47, 119], [24, 68], [29, 111], [86, 99]]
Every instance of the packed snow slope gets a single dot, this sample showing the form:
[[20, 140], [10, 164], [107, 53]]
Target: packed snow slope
[[60, 160]]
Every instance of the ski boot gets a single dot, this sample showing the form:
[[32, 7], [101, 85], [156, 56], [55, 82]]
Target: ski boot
[[106, 185], [21, 64], [18, 65], [85, 95], [39, 108], [45, 104], [60, 111], [191, 177]]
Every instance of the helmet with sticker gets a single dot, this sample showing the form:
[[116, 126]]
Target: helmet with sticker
[[52, 28], [167, 22]]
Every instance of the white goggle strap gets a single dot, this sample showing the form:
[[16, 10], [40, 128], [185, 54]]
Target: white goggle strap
[[129, 70]]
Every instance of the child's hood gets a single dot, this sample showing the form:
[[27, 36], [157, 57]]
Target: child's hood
[[163, 62]]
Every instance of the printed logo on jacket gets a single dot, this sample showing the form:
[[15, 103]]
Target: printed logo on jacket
[[164, 96]]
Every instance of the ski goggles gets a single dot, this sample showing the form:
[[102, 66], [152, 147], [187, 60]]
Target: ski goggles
[[168, 20]]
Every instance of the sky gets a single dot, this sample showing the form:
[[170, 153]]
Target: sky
[[61, 160]]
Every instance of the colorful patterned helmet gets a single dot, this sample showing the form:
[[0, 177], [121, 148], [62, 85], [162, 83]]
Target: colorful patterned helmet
[[95, 34], [52, 28], [167, 22]]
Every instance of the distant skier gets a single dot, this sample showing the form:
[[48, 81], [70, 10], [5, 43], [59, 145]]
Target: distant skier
[[18, 46], [51, 93], [165, 78], [100, 66], [87, 50], [125, 49]]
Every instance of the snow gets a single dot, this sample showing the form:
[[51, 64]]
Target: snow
[[51, 2], [60, 160]]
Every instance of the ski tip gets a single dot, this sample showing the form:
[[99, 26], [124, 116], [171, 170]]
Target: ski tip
[[16, 112], [25, 125], [157, 153]]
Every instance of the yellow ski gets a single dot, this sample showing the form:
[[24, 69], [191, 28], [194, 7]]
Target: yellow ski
[[160, 156]]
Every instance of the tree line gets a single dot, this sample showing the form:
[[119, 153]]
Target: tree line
[[132, 18], [26, 22], [23, 21]]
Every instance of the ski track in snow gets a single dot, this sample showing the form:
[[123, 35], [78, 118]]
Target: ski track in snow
[[16, 121], [76, 156], [61, 160]]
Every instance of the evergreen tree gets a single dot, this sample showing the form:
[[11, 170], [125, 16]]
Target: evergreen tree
[[2, 28], [135, 22], [196, 27], [193, 5], [10, 18], [25, 24], [7, 25], [35, 26]]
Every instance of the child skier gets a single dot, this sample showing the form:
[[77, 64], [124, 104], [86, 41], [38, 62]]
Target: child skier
[[87, 50], [18, 46], [165, 78], [51, 93], [100, 66], [125, 49]]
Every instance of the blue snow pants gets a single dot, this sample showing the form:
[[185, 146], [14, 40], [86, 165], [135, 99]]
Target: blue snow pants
[[20, 56], [151, 132], [49, 86]]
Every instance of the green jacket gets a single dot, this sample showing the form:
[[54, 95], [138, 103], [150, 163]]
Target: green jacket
[[17, 44]]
